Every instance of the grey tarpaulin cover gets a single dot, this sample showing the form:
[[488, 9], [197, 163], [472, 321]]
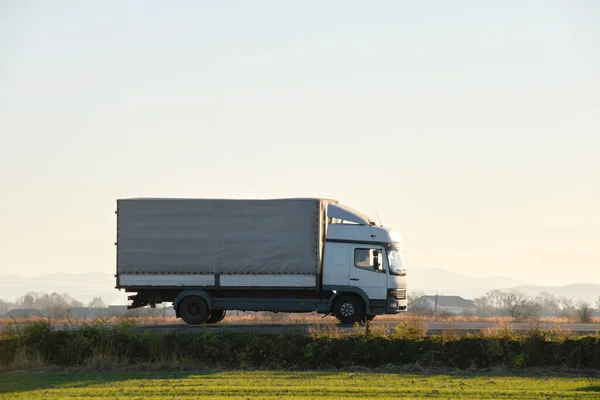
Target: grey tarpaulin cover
[[200, 236]]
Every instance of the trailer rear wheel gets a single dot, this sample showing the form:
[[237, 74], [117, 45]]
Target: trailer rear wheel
[[349, 309], [193, 310], [215, 316]]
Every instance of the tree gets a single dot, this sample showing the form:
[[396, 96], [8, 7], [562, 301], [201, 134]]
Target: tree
[[5, 306], [97, 302], [548, 303], [567, 307], [484, 306], [417, 306], [413, 295], [54, 305], [583, 311], [495, 298], [519, 305], [493, 303], [28, 300]]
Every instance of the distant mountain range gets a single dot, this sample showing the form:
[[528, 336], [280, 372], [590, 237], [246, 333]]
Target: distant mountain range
[[441, 280], [86, 286], [444, 282], [576, 291], [83, 287]]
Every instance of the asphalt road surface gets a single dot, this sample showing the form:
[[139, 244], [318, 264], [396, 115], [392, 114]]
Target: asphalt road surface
[[432, 327], [301, 328]]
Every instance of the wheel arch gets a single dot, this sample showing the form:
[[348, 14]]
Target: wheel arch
[[345, 291]]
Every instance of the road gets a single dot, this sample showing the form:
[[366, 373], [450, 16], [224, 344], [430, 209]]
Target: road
[[302, 328], [432, 327]]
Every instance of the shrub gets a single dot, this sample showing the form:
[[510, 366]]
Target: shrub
[[502, 330], [99, 345], [583, 311], [413, 328]]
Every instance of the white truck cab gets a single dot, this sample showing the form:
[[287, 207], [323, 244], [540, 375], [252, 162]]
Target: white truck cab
[[364, 259]]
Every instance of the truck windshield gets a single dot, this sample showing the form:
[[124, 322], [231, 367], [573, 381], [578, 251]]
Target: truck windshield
[[395, 260]]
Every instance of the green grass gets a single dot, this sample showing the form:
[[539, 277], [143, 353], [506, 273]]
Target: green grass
[[288, 385]]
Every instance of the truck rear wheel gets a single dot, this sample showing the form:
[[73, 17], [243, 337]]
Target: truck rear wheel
[[215, 316], [193, 310], [349, 309]]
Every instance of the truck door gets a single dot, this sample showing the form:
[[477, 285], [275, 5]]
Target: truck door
[[368, 271]]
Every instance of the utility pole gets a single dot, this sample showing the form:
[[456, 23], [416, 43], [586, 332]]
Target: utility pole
[[436, 303]]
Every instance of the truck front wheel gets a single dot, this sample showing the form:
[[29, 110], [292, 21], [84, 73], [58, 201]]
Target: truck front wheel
[[215, 316], [193, 310], [349, 309]]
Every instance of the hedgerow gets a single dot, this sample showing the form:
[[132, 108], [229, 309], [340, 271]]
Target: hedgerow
[[102, 345]]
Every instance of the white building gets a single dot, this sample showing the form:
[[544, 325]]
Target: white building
[[443, 304]]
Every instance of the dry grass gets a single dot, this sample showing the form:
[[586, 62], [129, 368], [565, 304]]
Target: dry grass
[[376, 331], [411, 328], [282, 318], [563, 333], [450, 332], [26, 361], [501, 330], [79, 321], [326, 330]]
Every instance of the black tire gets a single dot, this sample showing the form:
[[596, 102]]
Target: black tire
[[215, 316], [370, 317], [193, 310], [349, 310]]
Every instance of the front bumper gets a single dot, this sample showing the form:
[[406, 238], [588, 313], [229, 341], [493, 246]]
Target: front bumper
[[396, 301]]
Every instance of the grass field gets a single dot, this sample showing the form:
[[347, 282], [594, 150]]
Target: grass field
[[289, 385]]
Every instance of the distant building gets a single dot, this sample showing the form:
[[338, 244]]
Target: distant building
[[116, 310], [89, 312], [123, 311], [455, 305]]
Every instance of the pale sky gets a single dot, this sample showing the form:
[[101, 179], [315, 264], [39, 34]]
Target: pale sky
[[472, 127]]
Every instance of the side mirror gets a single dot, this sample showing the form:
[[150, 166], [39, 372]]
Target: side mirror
[[377, 260]]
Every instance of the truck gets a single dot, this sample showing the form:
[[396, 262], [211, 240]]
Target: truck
[[294, 255]]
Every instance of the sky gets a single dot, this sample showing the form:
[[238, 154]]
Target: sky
[[472, 128]]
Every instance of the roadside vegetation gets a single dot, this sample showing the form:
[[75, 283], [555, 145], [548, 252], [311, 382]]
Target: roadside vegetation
[[290, 319], [291, 385], [100, 345]]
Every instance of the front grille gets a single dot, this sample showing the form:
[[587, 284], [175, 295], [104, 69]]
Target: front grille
[[401, 294]]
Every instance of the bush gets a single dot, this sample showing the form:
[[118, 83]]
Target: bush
[[583, 311], [100, 345], [414, 328]]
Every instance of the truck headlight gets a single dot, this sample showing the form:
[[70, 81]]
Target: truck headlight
[[397, 293]]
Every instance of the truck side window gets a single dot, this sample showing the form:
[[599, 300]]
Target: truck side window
[[362, 259]]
